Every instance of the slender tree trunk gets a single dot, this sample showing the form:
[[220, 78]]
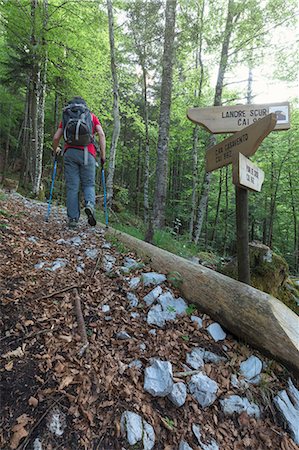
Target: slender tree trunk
[[226, 212], [293, 204], [5, 162], [217, 102], [217, 207], [164, 120], [147, 151], [116, 115], [198, 63]]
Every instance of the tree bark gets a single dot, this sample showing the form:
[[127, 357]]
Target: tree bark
[[258, 318], [164, 120], [116, 115]]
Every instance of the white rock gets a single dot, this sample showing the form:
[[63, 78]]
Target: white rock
[[213, 444], [108, 262], [203, 389], [288, 405], [153, 331], [178, 394], [136, 363], [105, 308], [171, 305], [37, 445], [158, 378], [56, 422], [123, 335], [131, 427], [91, 253], [195, 358], [155, 316], [197, 320], [148, 436], [134, 282], [134, 315], [132, 299], [216, 332], [184, 446], [237, 404], [153, 295], [251, 369], [153, 278]]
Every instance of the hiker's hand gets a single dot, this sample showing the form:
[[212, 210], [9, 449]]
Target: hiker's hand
[[57, 151]]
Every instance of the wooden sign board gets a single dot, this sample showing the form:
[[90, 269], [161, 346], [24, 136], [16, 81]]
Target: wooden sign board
[[231, 119], [246, 174], [246, 142]]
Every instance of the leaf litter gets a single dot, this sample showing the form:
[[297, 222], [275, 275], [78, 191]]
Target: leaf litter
[[43, 374]]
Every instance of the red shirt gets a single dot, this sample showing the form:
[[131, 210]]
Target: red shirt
[[91, 148]]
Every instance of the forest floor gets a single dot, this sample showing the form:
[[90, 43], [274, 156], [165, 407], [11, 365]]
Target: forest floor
[[43, 377]]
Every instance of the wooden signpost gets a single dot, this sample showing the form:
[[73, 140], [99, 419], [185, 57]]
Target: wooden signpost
[[251, 124], [230, 119]]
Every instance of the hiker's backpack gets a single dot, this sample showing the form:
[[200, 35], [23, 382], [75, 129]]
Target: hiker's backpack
[[77, 125]]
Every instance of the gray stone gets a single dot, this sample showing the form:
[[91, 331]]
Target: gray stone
[[178, 394], [148, 436], [131, 427], [56, 422], [131, 264], [237, 404], [184, 446], [136, 363], [123, 335], [251, 369], [134, 282], [153, 278], [37, 445], [195, 358], [288, 404], [142, 347], [40, 265], [171, 306], [158, 378], [106, 245], [132, 299], [134, 315], [92, 253], [203, 389], [108, 318], [105, 308], [153, 295], [211, 446], [108, 262], [216, 332], [197, 320], [58, 264], [33, 239], [153, 331], [155, 316]]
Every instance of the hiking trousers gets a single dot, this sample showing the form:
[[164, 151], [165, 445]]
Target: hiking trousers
[[78, 174]]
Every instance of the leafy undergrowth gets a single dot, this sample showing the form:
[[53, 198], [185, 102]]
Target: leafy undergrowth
[[41, 369]]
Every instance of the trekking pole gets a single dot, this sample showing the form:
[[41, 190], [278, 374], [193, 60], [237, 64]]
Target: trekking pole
[[51, 189], [105, 198]]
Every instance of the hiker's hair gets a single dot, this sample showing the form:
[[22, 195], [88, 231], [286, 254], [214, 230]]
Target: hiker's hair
[[77, 99]]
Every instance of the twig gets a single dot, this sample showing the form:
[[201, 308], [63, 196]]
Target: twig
[[68, 288], [81, 323], [186, 374], [96, 265], [36, 333]]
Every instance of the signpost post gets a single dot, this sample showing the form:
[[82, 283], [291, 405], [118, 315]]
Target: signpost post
[[251, 124]]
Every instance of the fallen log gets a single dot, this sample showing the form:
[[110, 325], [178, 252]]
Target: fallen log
[[259, 319]]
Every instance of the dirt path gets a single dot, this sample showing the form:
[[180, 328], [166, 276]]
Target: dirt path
[[44, 379]]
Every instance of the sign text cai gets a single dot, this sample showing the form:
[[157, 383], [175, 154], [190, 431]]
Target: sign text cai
[[230, 119]]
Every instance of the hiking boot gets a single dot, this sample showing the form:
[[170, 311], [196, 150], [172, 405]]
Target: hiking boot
[[73, 223], [90, 215]]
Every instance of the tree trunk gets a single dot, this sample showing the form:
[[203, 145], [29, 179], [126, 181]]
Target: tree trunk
[[116, 116], [217, 207], [5, 162], [217, 102], [293, 204], [257, 318], [164, 119]]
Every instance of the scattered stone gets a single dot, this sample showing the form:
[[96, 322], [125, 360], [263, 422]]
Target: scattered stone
[[216, 332], [237, 404], [134, 282], [251, 369], [153, 331], [288, 405], [80, 268], [40, 265], [158, 378], [134, 315], [142, 347], [153, 278], [195, 358], [136, 429], [213, 444], [197, 320], [106, 245], [105, 308], [184, 446], [132, 299], [123, 335], [131, 264], [178, 394], [171, 306], [108, 318], [238, 383], [56, 422], [203, 389], [91, 253], [58, 264], [75, 241], [155, 316], [153, 295], [136, 363], [108, 262], [33, 239], [37, 445]]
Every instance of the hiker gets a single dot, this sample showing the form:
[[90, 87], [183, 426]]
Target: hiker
[[78, 127]]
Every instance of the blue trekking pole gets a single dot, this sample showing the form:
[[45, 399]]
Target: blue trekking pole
[[105, 197], [51, 189]]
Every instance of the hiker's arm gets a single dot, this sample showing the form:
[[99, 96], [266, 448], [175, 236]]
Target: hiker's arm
[[56, 138], [102, 140]]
